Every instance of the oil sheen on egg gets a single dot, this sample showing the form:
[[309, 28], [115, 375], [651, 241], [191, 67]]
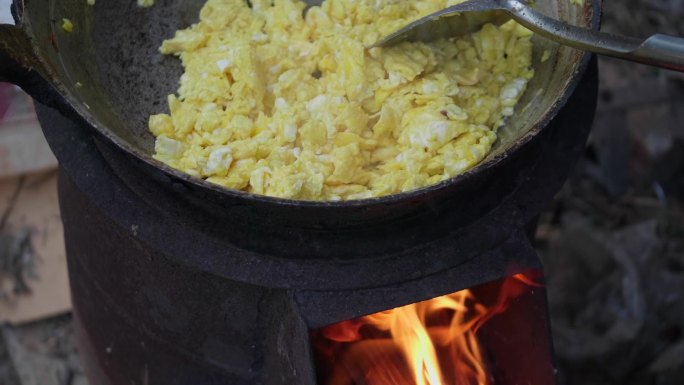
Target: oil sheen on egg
[[276, 103]]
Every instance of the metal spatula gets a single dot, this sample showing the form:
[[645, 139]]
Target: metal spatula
[[658, 50]]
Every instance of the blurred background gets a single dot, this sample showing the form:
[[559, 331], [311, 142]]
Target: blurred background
[[612, 241]]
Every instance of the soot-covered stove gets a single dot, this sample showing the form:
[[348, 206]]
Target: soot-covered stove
[[168, 289]]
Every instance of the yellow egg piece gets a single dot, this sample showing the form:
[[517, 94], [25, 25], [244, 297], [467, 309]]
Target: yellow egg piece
[[281, 103]]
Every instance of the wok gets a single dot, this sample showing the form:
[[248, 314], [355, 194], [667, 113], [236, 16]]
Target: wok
[[107, 75]]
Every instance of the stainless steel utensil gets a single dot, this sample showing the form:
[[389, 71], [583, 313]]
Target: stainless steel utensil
[[658, 50]]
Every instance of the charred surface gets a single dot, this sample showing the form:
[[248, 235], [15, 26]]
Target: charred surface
[[164, 291]]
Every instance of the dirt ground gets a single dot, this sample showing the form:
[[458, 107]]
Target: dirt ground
[[612, 241]]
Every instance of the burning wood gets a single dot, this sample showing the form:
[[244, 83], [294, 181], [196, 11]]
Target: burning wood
[[433, 342]]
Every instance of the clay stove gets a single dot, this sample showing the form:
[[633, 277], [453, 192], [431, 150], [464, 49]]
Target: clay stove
[[170, 287]]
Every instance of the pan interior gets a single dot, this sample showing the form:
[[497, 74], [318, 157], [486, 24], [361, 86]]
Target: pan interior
[[111, 62]]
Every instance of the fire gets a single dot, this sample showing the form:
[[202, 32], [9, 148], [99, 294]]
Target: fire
[[433, 342]]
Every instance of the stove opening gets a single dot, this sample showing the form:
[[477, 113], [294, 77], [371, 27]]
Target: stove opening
[[495, 333]]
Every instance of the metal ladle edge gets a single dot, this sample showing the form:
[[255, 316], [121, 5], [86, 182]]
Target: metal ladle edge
[[658, 50]]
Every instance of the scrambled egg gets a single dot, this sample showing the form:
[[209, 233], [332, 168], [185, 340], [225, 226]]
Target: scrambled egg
[[277, 103], [67, 25], [145, 3]]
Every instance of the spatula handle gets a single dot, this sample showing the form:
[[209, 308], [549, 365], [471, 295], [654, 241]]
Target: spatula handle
[[658, 50]]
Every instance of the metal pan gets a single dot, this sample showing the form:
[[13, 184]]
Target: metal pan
[[112, 55]]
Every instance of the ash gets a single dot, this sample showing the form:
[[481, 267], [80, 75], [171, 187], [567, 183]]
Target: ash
[[17, 264], [17, 257]]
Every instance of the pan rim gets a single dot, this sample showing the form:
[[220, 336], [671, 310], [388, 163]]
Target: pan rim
[[83, 112]]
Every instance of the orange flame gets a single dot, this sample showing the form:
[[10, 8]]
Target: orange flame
[[433, 342]]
